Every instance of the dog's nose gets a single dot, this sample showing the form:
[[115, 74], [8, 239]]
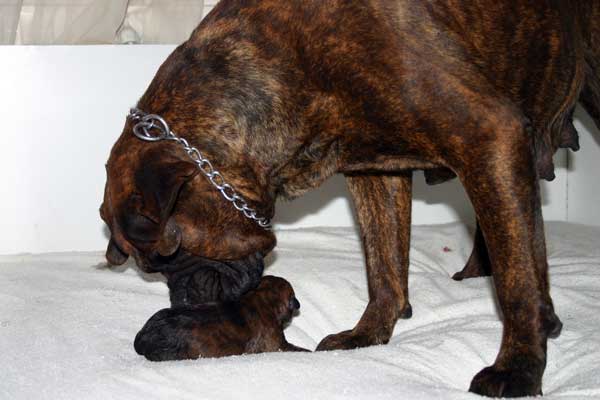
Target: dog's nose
[[295, 304]]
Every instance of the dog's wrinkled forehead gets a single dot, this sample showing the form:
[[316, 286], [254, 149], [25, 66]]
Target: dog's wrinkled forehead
[[123, 161]]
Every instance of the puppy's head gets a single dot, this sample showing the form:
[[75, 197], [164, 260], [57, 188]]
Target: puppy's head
[[162, 211], [275, 296]]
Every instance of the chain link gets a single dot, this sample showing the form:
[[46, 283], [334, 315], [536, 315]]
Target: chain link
[[153, 128]]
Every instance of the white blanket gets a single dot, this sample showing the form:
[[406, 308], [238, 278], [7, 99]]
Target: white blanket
[[67, 324]]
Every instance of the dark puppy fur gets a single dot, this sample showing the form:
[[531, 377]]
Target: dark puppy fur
[[280, 95], [254, 324]]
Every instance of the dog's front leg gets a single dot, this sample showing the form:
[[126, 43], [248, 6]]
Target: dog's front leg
[[383, 207]]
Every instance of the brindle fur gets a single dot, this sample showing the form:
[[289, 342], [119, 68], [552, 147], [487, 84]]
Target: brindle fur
[[479, 263], [254, 324], [280, 95]]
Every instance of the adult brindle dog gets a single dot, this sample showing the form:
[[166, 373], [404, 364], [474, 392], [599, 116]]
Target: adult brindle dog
[[280, 95]]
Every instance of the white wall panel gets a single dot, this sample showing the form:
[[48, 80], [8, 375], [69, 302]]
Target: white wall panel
[[62, 108], [584, 174]]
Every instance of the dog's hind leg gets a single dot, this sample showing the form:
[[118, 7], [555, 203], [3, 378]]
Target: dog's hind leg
[[499, 176], [383, 207], [479, 263]]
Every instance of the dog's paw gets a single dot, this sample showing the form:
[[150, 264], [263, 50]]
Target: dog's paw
[[347, 340], [473, 269], [552, 324], [492, 382]]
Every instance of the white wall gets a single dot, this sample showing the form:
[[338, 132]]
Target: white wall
[[62, 108], [584, 171]]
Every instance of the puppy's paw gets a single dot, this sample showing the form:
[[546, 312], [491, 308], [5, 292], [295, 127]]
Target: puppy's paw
[[493, 382]]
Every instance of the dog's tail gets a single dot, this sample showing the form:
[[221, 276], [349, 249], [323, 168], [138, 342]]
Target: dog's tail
[[590, 95]]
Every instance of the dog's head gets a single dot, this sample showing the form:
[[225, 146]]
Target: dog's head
[[164, 212], [159, 207]]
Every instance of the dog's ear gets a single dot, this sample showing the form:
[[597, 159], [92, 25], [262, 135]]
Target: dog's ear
[[158, 182], [170, 239], [114, 255]]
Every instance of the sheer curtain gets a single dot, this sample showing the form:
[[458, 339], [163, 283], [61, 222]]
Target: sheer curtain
[[163, 21], [9, 19], [98, 21]]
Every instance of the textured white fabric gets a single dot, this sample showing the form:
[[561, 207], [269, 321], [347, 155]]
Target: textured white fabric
[[67, 325], [98, 21]]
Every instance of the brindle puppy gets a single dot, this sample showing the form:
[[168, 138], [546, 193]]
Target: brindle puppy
[[280, 95], [254, 324]]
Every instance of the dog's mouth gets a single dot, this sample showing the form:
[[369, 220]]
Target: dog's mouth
[[197, 280]]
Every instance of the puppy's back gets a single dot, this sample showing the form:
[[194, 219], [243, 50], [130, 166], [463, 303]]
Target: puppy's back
[[208, 330]]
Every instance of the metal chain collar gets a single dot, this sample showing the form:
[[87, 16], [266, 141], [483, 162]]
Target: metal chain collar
[[153, 128]]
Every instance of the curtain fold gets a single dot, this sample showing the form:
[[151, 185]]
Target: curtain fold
[[9, 19], [98, 21], [163, 21], [72, 22]]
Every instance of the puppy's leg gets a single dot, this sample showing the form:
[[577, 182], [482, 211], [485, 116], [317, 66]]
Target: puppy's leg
[[479, 263], [383, 207], [500, 178]]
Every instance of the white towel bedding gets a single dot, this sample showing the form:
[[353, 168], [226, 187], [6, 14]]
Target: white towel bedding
[[67, 325]]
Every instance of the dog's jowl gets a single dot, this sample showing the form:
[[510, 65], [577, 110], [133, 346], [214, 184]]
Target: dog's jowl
[[279, 95]]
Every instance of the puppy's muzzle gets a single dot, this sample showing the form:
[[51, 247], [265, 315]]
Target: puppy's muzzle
[[197, 280]]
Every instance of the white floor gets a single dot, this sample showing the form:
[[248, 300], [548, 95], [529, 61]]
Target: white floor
[[67, 325]]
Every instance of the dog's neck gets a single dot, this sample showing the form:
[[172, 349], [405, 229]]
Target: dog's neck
[[234, 122]]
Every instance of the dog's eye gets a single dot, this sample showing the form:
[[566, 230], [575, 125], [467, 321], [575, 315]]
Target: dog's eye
[[140, 228]]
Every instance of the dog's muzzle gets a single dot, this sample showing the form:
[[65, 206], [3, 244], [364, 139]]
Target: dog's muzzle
[[194, 280]]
